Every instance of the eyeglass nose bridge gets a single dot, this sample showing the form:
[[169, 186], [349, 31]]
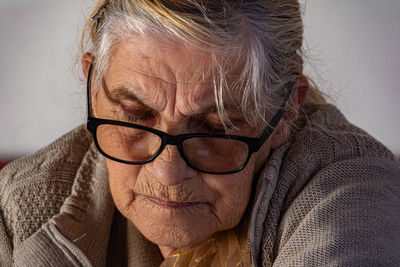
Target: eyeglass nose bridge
[[172, 140]]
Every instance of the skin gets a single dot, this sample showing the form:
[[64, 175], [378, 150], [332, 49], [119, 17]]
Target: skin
[[171, 204]]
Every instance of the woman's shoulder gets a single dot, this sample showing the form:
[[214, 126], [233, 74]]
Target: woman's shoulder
[[327, 149], [324, 139], [33, 188], [62, 155], [337, 195], [348, 213], [324, 134]]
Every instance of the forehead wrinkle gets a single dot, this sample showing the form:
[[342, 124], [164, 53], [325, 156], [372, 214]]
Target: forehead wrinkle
[[152, 98], [165, 89], [181, 77], [140, 60], [196, 100], [201, 97], [185, 92], [156, 90], [138, 77], [194, 85]]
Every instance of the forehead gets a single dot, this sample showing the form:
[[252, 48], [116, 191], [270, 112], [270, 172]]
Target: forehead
[[159, 53], [158, 64], [165, 60]]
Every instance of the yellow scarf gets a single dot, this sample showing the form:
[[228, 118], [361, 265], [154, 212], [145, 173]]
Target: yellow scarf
[[228, 248]]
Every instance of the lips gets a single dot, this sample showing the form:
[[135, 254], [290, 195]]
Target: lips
[[169, 204]]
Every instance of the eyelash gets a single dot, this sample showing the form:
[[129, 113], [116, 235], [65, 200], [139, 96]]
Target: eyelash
[[133, 118], [210, 127], [201, 122]]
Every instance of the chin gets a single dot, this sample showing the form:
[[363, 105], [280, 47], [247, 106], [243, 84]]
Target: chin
[[174, 236], [173, 227]]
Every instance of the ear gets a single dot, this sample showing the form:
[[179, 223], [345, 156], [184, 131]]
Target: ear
[[283, 131], [302, 89], [86, 61]]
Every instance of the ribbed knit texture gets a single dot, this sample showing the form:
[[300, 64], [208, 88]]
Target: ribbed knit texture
[[329, 197], [337, 199]]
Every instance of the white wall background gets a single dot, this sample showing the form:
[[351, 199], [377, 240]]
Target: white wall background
[[352, 47]]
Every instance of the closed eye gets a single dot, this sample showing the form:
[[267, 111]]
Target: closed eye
[[137, 117], [202, 124], [212, 128]]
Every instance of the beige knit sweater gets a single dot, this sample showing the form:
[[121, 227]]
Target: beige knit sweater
[[328, 197]]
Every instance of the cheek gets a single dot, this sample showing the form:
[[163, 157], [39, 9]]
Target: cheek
[[233, 194], [122, 178]]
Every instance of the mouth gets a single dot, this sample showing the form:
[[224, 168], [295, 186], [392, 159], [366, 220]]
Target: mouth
[[170, 204]]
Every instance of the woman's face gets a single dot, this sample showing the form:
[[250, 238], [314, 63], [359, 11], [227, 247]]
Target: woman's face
[[168, 86]]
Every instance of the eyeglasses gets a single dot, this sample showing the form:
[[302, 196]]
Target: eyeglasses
[[136, 144], [99, 13]]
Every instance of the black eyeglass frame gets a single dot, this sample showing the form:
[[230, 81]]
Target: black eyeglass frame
[[99, 13], [253, 144]]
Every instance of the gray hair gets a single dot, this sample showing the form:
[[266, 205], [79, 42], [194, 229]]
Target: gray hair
[[263, 36]]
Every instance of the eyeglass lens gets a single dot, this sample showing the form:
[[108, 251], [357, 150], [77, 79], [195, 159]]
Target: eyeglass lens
[[205, 153]]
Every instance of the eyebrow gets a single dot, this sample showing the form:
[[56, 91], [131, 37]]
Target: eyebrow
[[123, 93]]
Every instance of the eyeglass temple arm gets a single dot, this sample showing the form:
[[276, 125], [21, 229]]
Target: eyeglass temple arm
[[275, 120], [88, 86], [96, 15]]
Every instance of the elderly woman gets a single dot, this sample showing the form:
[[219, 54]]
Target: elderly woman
[[205, 146]]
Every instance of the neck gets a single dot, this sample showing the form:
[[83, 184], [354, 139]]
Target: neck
[[165, 251]]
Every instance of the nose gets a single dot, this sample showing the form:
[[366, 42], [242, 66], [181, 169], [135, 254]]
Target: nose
[[169, 168]]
